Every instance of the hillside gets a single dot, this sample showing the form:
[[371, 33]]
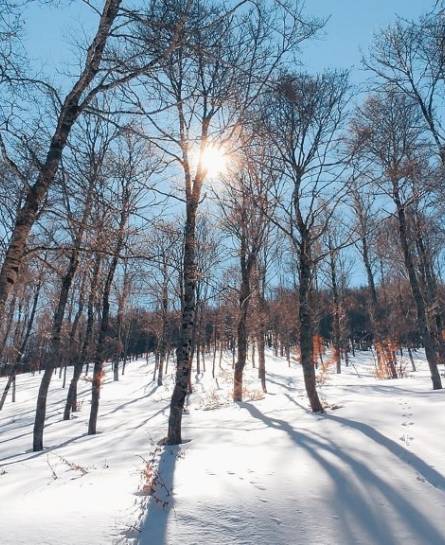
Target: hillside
[[371, 470]]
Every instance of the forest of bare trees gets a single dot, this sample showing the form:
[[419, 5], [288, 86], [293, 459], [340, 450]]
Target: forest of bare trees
[[193, 190]]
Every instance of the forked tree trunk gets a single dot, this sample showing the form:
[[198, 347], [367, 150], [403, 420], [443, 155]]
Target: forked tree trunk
[[99, 357], [73, 349], [411, 359], [215, 348], [57, 326], [431, 349], [384, 360], [126, 342]]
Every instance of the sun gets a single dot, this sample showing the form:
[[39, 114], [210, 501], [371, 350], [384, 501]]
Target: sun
[[214, 160]]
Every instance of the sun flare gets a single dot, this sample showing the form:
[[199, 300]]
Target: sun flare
[[214, 161]]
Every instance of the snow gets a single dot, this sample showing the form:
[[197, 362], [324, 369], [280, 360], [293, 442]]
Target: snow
[[264, 472]]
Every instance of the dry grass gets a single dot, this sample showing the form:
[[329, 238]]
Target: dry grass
[[252, 395]]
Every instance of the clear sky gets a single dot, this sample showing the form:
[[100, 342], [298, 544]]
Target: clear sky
[[350, 29], [52, 31]]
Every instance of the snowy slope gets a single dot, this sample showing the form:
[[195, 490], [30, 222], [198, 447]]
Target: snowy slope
[[263, 472]]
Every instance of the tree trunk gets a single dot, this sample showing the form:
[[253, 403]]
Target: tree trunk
[[411, 359], [185, 349], [51, 362], [9, 321], [246, 263], [164, 315], [261, 360], [305, 318], [259, 277], [430, 290], [336, 312]]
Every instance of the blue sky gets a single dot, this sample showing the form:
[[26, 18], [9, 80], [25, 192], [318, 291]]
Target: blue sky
[[350, 28], [52, 31]]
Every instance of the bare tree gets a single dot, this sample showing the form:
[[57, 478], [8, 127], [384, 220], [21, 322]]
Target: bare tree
[[303, 117], [245, 209], [387, 131], [409, 55]]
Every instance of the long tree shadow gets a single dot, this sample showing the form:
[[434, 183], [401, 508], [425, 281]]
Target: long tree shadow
[[278, 383], [427, 472], [156, 512], [435, 478], [46, 450], [130, 402], [387, 389], [359, 508]]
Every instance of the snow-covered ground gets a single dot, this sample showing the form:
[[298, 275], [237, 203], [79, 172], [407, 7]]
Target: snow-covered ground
[[262, 472]]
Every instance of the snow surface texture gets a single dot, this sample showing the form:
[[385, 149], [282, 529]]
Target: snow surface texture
[[262, 472]]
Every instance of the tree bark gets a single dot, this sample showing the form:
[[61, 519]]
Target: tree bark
[[305, 318], [51, 362], [246, 262], [185, 349], [120, 323], [336, 311], [261, 325]]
